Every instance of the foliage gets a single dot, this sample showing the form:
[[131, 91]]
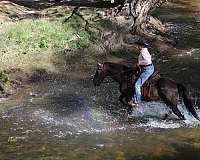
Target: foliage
[[3, 77], [24, 42], [36, 35]]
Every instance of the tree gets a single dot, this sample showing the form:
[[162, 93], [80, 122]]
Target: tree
[[140, 11], [137, 16]]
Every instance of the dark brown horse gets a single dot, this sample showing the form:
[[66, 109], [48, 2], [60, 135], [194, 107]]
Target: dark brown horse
[[161, 89]]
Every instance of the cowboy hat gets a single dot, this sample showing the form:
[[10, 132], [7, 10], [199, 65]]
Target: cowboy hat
[[141, 43]]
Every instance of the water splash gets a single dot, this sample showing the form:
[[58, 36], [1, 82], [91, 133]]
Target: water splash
[[99, 121]]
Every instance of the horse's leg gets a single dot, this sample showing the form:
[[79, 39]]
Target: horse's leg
[[172, 104], [168, 92], [177, 112], [127, 96]]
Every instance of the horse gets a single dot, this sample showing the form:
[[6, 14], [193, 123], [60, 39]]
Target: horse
[[162, 89]]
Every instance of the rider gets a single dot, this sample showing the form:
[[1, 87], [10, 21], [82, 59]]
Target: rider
[[147, 69]]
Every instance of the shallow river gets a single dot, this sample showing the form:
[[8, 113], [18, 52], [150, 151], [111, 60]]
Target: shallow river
[[68, 118]]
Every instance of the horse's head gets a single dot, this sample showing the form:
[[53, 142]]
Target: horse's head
[[100, 74]]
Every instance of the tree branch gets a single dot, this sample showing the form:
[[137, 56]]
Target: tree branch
[[42, 4], [75, 10]]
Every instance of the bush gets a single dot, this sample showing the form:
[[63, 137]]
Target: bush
[[3, 77]]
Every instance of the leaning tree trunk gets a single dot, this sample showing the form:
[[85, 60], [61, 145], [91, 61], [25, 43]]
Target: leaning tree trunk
[[141, 11]]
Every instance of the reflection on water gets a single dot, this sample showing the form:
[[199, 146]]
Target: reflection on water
[[191, 5], [183, 68], [71, 119], [183, 19]]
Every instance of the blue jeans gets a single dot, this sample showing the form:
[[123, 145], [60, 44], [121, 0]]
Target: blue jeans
[[146, 73]]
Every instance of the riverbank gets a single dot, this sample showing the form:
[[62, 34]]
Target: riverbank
[[38, 45]]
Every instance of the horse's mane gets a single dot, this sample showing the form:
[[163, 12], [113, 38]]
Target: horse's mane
[[120, 67]]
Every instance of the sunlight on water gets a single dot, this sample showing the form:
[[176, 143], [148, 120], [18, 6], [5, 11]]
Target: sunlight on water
[[75, 117], [97, 121]]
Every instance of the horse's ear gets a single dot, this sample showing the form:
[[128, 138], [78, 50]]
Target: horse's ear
[[99, 65]]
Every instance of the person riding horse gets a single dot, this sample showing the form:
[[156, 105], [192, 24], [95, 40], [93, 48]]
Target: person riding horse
[[147, 69], [162, 89]]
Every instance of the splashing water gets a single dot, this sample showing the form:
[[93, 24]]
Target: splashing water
[[72, 112]]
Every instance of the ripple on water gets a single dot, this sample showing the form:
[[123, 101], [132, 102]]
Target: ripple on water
[[79, 124], [62, 115]]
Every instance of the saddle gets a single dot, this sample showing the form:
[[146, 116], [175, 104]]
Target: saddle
[[147, 86]]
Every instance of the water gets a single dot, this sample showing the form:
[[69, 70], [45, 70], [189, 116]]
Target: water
[[68, 118], [183, 20]]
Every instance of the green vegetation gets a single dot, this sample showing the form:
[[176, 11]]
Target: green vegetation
[[48, 43], [3, 77], [24, 42], [35, 35]]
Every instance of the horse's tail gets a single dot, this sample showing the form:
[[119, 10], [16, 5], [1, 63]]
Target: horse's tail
[[187, 101]]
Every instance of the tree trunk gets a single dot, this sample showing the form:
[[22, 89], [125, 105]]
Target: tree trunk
[[141, 11]]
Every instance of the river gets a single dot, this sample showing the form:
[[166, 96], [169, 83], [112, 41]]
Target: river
[[68, 118]]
